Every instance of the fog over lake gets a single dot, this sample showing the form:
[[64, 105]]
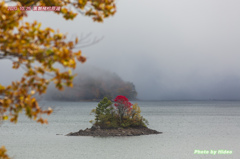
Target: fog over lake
[[170, 50]]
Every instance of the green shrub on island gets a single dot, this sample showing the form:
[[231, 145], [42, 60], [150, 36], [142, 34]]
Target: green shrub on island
[[123, 114]]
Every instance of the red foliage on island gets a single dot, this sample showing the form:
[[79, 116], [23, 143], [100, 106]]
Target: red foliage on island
[[123, 105], [122, 101]]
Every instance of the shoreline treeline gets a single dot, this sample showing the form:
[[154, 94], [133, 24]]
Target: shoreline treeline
[[93, 84]]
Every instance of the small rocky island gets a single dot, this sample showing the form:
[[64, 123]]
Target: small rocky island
[[114, 132], [122, 120]]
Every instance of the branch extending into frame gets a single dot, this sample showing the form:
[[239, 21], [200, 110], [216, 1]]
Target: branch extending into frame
[[86, 42]]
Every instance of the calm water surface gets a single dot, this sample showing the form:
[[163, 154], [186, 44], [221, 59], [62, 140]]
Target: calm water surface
[[186, 126]]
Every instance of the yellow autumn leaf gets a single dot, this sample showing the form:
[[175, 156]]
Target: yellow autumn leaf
[[5, 117], [76, 40], [2, 87]]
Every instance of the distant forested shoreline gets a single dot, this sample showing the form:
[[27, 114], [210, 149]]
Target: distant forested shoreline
[[93, 84]]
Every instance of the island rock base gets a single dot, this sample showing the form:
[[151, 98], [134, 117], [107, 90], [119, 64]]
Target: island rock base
[[114, 132]]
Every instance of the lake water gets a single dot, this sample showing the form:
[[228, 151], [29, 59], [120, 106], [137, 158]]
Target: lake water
[[186, 125]]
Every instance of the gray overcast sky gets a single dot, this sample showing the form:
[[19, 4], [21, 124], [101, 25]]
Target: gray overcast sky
[[170, 49]]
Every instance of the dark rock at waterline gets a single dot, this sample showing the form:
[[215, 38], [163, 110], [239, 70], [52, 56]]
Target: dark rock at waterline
[[93, 128], [96, 131]]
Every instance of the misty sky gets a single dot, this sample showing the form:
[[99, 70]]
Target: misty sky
[[170, 50]]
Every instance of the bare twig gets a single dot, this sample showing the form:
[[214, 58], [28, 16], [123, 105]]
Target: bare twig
[[86, 42]]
